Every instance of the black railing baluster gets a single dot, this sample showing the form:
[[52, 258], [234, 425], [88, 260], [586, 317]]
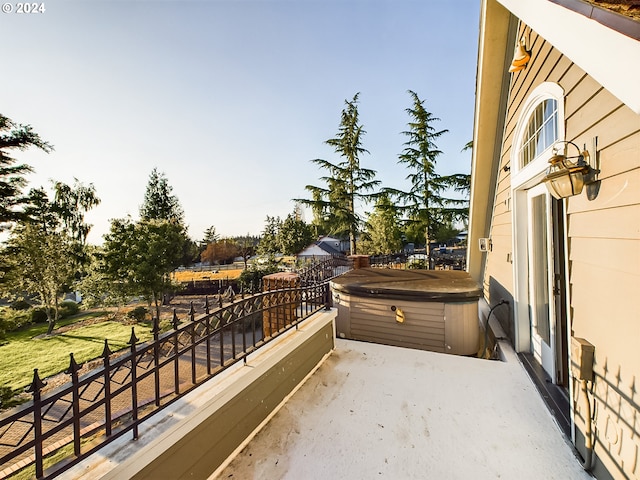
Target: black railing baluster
[[192, 335], [106, 352], [34, 388], [73, 371], [156, 359], [221, 330], [244, 328], [134, 383], [208, 335], [176, 356], [233, 336]]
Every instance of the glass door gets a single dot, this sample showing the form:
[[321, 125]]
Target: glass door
[[541, 279]]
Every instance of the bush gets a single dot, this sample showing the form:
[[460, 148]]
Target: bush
[[11, 320], [68, 308], [5, 395], [21, 304], [249, 279], [38, 315], [139, 314]]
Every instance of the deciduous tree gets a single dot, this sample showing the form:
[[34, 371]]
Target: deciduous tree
[[140, 255], [40, 262], [223, 251]]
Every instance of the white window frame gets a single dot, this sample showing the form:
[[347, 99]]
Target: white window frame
[[530, 174], [523, 178]]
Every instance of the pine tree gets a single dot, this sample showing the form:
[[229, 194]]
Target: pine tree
[[159, 202], [12, 176], [424, 203], [346, 181]]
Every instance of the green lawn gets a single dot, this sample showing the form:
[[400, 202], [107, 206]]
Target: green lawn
[[50, 355]]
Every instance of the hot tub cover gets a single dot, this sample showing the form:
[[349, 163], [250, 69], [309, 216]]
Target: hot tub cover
[[421, 285]]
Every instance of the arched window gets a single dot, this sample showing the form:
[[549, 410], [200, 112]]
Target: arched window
[[541, 131], [540, 125]]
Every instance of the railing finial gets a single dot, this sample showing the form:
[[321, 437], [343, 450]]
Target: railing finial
[[174, 320], [73, 366], [133, 339], [106, 351], [36, 384]]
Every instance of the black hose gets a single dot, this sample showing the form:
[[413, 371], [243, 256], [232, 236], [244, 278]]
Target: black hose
[[486, 325]]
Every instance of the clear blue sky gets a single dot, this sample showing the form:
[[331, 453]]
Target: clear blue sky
[[231, 99]]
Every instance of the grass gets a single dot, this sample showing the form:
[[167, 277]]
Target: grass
[[22, 352]]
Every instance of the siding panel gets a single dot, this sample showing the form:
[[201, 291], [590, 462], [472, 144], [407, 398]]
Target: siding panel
[[624, 223]]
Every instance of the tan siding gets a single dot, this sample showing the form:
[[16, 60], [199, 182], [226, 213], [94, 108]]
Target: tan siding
[[611, 129], [619, 257], [621, 224], [572, 78], [560, 70], [610, 120], [622, 190], [620, 157], [580, 95]]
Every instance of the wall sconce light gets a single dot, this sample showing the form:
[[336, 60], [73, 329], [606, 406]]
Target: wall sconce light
[[565, 178], [521, 56]]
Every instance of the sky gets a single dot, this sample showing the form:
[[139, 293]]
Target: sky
[[231, 100]]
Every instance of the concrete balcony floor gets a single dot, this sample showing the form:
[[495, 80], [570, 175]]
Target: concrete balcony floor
[[374, 411]]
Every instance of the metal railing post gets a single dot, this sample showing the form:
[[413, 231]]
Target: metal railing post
[[134, 383], [106, 352], [34, 388], [156, 359], [73, 371]]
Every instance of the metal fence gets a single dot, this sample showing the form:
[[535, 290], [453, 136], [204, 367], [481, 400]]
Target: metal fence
[[323, 270], [56, 430]]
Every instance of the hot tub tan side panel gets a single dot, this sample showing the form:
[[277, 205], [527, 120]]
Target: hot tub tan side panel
[[373, 320], [434, 326], [461, 328]]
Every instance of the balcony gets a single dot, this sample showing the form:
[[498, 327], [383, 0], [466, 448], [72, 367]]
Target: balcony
[[365, 411]]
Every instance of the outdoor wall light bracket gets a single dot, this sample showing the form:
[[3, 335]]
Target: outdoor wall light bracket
[[565, 178], [521, 56]]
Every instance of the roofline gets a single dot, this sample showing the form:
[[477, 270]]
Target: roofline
[[603, 52], [625, 25], [492, 87]]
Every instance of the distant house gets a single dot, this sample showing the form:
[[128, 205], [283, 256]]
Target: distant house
[[323, 247], [552, 72]]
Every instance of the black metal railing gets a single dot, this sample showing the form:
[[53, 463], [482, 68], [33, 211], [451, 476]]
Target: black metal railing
[[57, 429], [323, 270]]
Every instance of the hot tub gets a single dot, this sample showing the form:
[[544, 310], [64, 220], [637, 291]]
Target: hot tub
[[434, 310]]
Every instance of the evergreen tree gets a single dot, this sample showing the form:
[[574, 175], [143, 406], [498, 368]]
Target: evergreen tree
[[294, 235], [424, 203], [382, 235], [159, 202], [269, 240], [346, 181], [12, 176]]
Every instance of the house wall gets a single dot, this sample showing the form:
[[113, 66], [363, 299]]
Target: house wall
[[603, 248]]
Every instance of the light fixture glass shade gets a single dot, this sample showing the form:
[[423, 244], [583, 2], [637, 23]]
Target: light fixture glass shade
[[564, 178]]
